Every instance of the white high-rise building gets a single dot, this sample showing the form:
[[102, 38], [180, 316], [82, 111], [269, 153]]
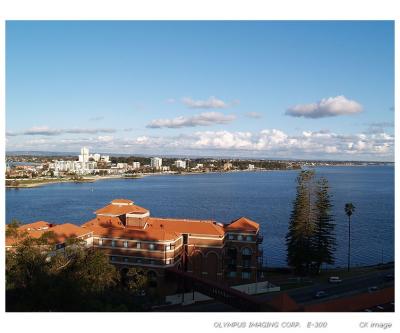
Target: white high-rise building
[[156, 163], [180, 164], [136, 165], [84, 156]]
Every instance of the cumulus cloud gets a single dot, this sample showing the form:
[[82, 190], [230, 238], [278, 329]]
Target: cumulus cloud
[[202, 119], [327, 107], [270, 143], [254, 115], [46, 131], [210, 103]]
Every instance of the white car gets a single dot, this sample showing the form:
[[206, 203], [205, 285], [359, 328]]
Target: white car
[[335, 279]]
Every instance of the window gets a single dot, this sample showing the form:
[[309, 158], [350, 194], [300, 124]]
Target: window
[[113, 243], [168, 261], [112, 258], [125, 244], [100, 242], [151, 246], [152, 262], [246, 251], [138, 245], [240, 237], [232, 274], [126, 259], [230, 237], [249, 238], [246, 275], [167, 247]]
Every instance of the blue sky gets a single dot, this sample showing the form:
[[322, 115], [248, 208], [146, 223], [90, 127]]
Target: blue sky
[[265, 89]]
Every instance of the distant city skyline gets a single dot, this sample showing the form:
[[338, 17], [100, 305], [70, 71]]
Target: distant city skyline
[[283, 90]]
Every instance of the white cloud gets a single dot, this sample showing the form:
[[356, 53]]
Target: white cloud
[[105, 138], [46, 131], [211, 103], [202, 119], [254, 115], [272, 143], [327, 107]]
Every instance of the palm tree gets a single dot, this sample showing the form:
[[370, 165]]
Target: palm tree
[[349, 209]]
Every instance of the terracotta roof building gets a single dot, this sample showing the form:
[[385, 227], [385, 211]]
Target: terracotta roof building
[[59, 233], [216, 251]]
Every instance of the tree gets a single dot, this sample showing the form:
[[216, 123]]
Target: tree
[[302, 224], [38, 278], [135, 280], [324, 242], [349, 210], [310, 239]]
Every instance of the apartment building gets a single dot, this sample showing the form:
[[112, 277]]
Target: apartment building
[[156, 163]]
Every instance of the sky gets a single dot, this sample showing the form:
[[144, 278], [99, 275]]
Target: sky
[[262, 89]]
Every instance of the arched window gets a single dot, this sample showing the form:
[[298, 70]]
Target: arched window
[[246, 251]]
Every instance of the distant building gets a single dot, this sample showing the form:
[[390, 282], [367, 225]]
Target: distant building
[[228, 166], [180, 164], [199, 166], [251, 167], [136, 165], [165, 168], [105, 158], [84, 156], [122, 165], [156, 163], [96, 157]]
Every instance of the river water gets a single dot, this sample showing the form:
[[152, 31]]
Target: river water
[[265, 197]]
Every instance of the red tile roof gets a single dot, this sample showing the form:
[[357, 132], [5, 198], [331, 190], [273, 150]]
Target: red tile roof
[[185, 226], [35, 225], [114, 209], [62, 232], [109, 227], [122, 201], [243, 224]]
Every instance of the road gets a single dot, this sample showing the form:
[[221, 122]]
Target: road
[[305, 295], [347, 287]]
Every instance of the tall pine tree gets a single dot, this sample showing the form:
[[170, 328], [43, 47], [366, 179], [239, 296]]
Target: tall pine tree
[[323, 241], [302, 224], [310, 239]]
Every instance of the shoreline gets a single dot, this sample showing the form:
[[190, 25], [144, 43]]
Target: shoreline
[[93, 179]]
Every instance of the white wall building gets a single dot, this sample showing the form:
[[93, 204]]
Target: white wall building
[[136, 165], [105, 158], [251, 167], [96, 157], [84, 156], [156, 163], [180, 164], [122, 166]]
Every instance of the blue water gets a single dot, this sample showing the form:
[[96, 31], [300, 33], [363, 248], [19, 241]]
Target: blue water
[[265, 197]]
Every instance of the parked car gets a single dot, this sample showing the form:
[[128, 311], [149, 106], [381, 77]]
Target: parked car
[[389, 277], [373, 289], [335, 279], [321, 294]]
